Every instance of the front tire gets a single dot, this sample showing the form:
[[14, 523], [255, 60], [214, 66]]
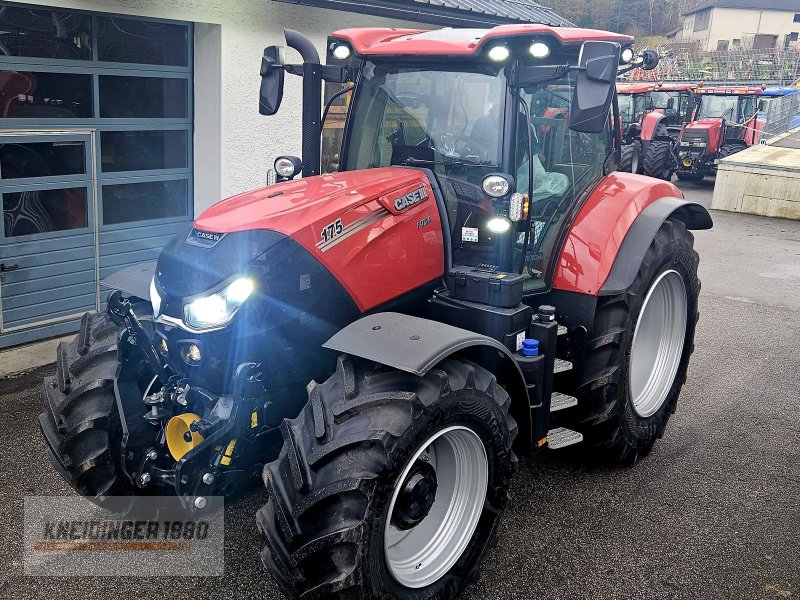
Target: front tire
[[629, 162], [344, 517], [638, 353], [80, 422]]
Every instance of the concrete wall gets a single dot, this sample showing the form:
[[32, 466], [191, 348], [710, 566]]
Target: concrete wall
[[762, 180], [234, 145], [738, 23]]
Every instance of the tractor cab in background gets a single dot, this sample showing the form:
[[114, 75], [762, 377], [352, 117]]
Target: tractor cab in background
[[726, 121], [677, 102]]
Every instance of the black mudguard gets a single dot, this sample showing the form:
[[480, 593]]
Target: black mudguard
[[641, 235], [417, 345]]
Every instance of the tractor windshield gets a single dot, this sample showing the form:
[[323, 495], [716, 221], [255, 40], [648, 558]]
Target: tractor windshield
[[732, 108], [464, 125], [631, 107]]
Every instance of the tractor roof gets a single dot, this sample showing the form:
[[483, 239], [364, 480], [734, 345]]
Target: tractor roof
[[638, 87], [675, 87], [381, 41], [780, 91], [732, 90]]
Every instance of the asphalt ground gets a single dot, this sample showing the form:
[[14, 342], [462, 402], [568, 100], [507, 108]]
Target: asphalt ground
[[712, 512]]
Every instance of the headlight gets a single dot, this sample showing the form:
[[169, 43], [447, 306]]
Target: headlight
[[496, 186], [216, 310], [155, 299]]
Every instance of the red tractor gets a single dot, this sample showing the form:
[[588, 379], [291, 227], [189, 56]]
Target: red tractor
[[726, 121], [377, 345], [653, 115]]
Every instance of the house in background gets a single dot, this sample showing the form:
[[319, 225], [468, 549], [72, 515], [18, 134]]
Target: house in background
[[720, 25], [121, 121]]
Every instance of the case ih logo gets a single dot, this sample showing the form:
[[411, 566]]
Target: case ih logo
[[412, 198], [206, 239]]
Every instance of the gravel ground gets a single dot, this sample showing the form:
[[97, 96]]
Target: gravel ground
[[712, 512]]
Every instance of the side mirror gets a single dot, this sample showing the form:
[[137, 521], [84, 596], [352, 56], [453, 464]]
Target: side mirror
[[594, 88], [650, 59], [272, 74]]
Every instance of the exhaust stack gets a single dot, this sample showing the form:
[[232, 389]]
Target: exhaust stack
[[312, 100]]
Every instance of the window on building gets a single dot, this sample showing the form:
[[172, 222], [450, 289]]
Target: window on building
[[722, 45], [797, 17], [702, 20], [43, 33], [736, 43]]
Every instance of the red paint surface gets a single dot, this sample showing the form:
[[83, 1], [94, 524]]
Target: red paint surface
[[714, 126], [381, 261], [598, 231], [650, 122], [387, 42], [635, 87]]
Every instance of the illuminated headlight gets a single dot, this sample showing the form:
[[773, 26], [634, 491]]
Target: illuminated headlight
[[499, 54], [341, 51], [496, 186], [539, 50], [216, 310], [155, 299], [626, 55], [498, 225]]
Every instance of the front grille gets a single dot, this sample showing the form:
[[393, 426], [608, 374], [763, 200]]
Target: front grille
[[695, 135]]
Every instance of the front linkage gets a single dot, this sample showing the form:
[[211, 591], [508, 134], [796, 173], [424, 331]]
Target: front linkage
[[182, 439]]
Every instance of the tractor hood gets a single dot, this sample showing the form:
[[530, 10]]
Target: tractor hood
[[341, 221], [290, 207]]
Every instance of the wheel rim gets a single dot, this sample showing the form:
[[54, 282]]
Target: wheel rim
[[658, 343], [420, 556], [635, 161]]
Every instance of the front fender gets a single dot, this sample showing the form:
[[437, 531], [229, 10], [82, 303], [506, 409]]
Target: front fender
[[603, 223], [417, 345], [650, 123]]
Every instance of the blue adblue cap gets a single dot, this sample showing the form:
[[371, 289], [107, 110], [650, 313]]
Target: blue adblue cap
[[530, 347]]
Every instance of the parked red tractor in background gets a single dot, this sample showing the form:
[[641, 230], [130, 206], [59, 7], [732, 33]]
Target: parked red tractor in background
[[726, 121], [476, 281], [653, 116]]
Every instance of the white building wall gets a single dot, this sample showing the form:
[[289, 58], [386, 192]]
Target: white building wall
[[234, 145], [739, 23]]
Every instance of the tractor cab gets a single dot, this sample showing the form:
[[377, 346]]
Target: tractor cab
[[677, 101], [500, 130]]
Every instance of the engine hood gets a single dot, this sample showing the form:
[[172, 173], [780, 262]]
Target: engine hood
[[708, 123], [291, 206]]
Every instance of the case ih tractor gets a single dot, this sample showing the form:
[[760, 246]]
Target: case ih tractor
[[653, 116], [380, 343], [726, 121]]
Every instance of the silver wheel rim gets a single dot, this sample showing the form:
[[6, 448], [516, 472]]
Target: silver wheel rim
[[658, 343], [420, 556]]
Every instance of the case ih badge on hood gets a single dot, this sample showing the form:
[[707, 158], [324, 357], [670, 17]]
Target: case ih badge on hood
[[310, 337], [411, 198]]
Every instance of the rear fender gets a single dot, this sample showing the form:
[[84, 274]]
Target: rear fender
[[641, 234], [416, 345], [650, 123], [598, 233]]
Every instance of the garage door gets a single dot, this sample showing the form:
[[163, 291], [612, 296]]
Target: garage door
[[95, 157]]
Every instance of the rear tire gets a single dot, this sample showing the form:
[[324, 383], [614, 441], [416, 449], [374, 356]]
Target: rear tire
[[620, 417], [629, 162], [658, 161], [330, 489], [80, 421]]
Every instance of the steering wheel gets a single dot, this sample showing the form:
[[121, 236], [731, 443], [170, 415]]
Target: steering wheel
[[447, 143]]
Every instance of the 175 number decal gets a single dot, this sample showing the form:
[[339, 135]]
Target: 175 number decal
[[331, 231]]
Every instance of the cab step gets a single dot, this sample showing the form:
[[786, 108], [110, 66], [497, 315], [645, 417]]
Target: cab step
[[559, 401], [561, 437], [562, 366]]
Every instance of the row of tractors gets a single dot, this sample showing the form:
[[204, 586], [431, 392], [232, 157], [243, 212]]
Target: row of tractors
[[685, 129]]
